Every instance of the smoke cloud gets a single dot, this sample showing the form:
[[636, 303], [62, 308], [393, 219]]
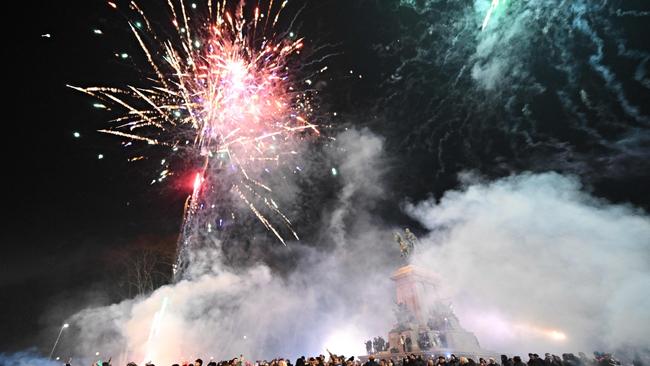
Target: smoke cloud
[[330, 297], [533, 262]]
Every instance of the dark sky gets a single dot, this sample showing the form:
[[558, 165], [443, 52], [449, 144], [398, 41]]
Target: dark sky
[[66, 208]]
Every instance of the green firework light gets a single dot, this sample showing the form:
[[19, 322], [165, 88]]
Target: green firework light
[[496, 7]]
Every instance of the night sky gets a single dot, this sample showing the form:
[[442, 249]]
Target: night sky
[[68, 207], [66, 210]]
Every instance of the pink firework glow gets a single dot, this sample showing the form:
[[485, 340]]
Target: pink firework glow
[[223, 88]]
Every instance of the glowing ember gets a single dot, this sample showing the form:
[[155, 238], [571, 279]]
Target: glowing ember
[[555, 335]]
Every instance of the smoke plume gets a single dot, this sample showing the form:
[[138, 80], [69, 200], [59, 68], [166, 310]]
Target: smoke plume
[[534, 263], [531, 263], [330, 297]]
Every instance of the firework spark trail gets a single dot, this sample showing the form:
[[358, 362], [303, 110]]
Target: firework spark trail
[[486, 20], [153, 331], [225, 82]]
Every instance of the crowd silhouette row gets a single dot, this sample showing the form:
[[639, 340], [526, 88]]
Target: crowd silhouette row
[[567, 359]]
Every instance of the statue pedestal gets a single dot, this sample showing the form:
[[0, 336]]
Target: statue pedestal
[[413, 287], [426, 324]]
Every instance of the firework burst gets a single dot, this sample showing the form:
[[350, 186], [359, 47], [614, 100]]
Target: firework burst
[[224, 88]]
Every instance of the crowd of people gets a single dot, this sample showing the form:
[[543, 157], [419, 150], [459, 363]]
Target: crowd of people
[[567, 359]]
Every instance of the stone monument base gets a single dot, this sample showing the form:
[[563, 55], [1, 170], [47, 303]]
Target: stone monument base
[[426, 324]]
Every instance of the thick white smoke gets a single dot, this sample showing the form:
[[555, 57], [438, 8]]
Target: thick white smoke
[[331, 299], [533, 262], [520, 257]]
